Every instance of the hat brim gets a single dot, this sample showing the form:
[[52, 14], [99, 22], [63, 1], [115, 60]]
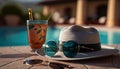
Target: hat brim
[[106, 51]]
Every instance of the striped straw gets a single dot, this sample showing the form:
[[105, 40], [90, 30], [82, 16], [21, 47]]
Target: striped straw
[[30, 14]]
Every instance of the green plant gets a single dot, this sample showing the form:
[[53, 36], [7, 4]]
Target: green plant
[[14, 9], [11, 9], [42, 16]]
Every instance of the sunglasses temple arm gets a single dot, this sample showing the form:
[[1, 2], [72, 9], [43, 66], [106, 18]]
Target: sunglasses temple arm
[[88, 48], [85, 48]]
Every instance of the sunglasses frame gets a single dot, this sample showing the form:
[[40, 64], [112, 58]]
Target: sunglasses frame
[[60, 46], [53, 65]]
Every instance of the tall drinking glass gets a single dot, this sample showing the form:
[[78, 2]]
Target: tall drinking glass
[[36, 33]]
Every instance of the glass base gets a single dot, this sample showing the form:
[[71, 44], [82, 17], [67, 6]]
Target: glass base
[[34, 50]]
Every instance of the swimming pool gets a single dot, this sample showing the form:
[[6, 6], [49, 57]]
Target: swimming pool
[[17, 36]]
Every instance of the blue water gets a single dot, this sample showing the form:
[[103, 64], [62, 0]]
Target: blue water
[[17, 36]]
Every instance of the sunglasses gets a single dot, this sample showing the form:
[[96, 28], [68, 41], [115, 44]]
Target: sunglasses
[[69, 48], [53, 65]]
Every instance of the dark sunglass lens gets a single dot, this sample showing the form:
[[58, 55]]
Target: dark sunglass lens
[[51, 48], [55, 65], [70, 49], [32, 61]]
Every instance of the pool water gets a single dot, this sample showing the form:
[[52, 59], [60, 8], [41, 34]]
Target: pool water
[[109, 37], [17, 36]]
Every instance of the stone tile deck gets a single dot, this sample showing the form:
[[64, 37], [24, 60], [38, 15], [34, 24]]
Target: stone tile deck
[[13, 57]]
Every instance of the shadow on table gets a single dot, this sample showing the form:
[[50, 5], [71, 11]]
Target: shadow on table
[[16, 55], [108, 61]]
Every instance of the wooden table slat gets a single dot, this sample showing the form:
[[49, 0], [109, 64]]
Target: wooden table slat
[[13, 57]]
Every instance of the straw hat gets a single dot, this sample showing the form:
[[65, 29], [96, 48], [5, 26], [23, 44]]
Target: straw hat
[[80, 35], [88, 37]]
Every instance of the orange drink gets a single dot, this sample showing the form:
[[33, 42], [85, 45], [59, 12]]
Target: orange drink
[[36, 33]]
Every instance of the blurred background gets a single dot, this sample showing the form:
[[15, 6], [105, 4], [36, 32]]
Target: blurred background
[[97, 13]]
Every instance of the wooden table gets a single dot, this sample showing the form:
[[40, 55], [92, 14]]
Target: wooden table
[[13, 57]]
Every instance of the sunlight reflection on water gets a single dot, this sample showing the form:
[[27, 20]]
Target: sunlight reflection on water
[[18, 36]]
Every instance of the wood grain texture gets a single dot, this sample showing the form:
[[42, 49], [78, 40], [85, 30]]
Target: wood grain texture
[[116, 58], [13, 57]]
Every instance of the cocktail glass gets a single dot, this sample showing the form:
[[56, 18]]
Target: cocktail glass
[[36, 33]]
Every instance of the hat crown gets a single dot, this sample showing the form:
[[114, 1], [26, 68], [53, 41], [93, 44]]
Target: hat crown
[[79, 34]]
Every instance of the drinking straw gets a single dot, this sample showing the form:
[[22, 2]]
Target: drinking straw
[[30, 14]]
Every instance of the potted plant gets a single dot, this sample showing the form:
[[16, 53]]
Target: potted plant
[[12, 14]]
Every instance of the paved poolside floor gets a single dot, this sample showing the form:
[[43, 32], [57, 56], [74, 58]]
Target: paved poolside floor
[[13, 57]]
